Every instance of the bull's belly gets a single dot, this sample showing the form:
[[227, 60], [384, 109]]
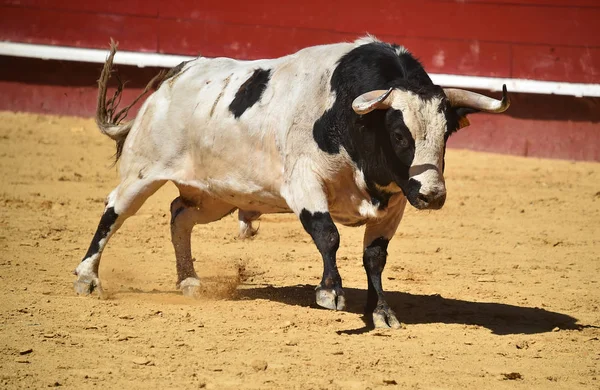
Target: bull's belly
[[349, 207], [261, 203], [345, 214], [246, 196]]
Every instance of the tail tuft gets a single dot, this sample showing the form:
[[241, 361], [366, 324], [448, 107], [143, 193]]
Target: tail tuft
[[108, 118]]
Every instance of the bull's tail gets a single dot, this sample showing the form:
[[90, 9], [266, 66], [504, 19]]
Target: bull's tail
[[108, 118]]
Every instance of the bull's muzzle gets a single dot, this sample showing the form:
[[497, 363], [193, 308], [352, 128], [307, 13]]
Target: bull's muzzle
[[433, 200], [426, 187], [425, 199]]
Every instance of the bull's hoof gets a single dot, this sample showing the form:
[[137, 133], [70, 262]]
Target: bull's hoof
[[87, 285], [329, 298], [247, 232], [385, 318], [190, 287]]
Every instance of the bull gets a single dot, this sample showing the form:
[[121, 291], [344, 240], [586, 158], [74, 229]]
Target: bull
[[346, 133]]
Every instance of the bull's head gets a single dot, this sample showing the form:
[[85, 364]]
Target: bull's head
[[419, 125]]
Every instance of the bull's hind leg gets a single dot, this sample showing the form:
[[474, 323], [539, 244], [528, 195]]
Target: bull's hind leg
[[246, 229], [188, 210], [123, 202]]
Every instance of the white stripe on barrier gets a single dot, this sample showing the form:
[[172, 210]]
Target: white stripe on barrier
[[140, 59]]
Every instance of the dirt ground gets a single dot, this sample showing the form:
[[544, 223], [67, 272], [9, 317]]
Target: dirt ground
[[498, 290]]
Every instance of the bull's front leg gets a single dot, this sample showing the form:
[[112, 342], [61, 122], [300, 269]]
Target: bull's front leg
[[325, 235], [377, 238], [304, 193], [374, 259]]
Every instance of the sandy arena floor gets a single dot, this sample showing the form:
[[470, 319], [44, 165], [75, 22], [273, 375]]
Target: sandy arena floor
[[500, 289]]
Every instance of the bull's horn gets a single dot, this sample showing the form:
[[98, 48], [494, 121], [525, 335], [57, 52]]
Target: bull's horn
[[372, 100], [462, 98]]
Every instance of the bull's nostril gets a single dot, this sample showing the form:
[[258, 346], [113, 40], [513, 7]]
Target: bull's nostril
[[433, 200], [422, 197], [439, 202]]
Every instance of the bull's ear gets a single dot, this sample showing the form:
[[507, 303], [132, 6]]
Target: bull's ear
[[373, 100], [463, 122], [462, 113]]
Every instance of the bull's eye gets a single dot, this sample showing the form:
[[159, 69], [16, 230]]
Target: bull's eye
[[402, 142]]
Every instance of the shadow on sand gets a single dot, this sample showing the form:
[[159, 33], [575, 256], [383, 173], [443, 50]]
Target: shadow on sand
[[501, 319]]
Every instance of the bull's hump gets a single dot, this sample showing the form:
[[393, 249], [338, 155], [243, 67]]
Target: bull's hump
[[250, 92]]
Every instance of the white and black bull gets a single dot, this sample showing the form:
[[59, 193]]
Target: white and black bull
[[345, 132]]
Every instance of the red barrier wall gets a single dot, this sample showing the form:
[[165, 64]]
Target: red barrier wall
[[535, 39]]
